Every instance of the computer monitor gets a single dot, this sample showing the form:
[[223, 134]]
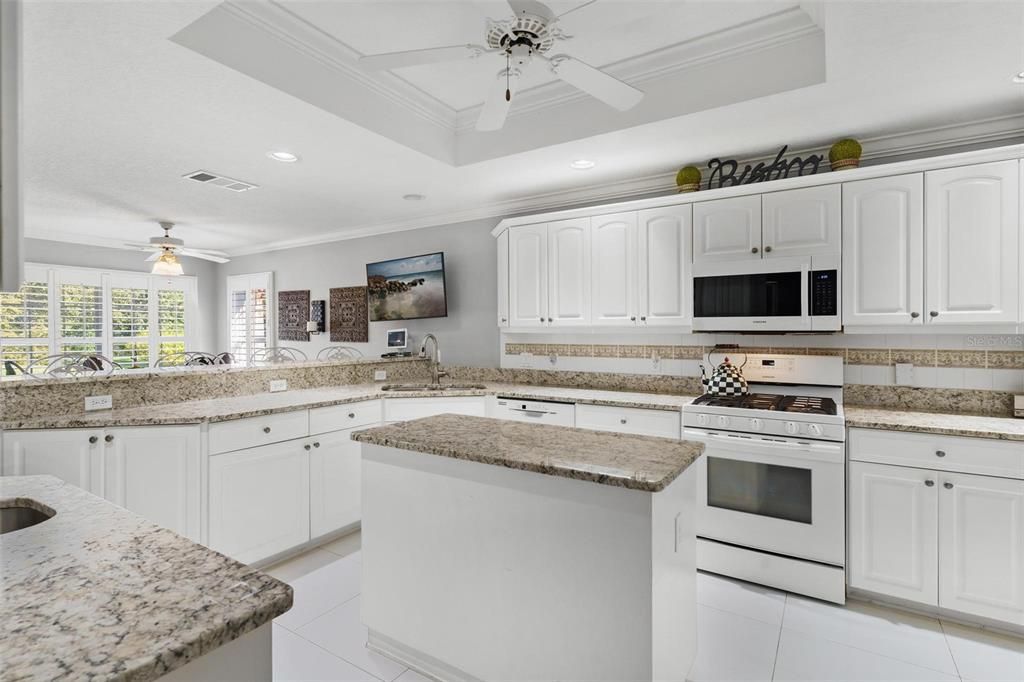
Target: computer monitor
[[397, 339]]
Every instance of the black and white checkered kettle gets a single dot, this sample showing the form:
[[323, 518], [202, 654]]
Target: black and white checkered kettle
[[727, 379]]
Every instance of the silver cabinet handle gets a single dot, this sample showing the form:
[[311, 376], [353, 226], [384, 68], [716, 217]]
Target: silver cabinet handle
[[753, 250], [266, 429], [307, 446], [947, 485], [316, 444], [940, 453], [934, 313], [767, 249], [109, 438], [93, 439], [929, 483], [915, 315]]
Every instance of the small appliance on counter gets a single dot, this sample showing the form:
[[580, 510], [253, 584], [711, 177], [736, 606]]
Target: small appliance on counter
[[398, 339], [726, 379]]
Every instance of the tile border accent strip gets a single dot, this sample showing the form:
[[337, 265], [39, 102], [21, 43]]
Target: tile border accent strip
[[921, 357]]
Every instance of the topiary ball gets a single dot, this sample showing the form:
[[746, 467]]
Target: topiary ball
[[844, 149], [688, 179]]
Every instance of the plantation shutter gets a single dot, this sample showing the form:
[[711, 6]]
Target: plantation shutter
[[80, 311], [129, 321], [249, 314], [172, 326], [25, 322]]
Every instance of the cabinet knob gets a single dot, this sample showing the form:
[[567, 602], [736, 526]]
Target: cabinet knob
[[316, 445], [542, 319], [622, 421], [109, 438], [940, 453], [767, 249], [753, 250], [504, 319], [351, 415], [929, 483], [915, 315], [550, 320], [307, 446], [643, 318], [266, 429], [93, 439], [934, 313], [947, 485]]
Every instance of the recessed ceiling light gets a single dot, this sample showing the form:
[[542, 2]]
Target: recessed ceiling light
[[283, 157], [582, 164], [1019, 78], [413, 197]]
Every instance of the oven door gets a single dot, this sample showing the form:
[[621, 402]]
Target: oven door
[[751, 295], [783, 496]]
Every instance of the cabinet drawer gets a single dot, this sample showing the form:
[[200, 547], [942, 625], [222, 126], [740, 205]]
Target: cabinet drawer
[[986, 456], [346, 416], [402, 409], [535, 411], [662, 423], [253, 431]]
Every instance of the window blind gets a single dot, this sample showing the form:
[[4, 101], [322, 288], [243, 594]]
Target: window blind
[[25, 323], [249, 314], [129, 326]]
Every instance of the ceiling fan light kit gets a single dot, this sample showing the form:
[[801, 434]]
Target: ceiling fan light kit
[[166, 250], [531, 33], [167, 264]]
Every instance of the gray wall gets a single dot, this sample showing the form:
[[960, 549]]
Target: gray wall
[[81, 255], [468, 336]]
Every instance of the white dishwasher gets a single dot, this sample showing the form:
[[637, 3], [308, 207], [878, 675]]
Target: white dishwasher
[[535, 411]]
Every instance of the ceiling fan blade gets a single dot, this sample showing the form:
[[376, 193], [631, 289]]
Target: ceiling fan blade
[[215, 256], [597, 83], [140, 246], [154, 256], [537, 9], [496, 106], [431, 55]]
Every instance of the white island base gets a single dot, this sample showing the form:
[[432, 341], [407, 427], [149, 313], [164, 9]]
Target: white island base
[[479, 572]]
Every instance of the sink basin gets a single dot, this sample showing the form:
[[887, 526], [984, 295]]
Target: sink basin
[[18, 517], [431, 387]]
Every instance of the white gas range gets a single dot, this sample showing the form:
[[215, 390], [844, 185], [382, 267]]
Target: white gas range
[[772, 484]]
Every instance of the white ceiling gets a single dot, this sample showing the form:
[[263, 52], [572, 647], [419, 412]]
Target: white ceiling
[[116, 113]]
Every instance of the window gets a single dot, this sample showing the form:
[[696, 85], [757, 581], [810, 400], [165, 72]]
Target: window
[[248, 308], [132, 318]]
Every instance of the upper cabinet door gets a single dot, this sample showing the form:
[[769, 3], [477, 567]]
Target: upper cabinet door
[[503, 279], [665, 272], [972, 244], [883, 251], [727, 229], [613, 288], [528, 275], [569, 272], [802, 222]]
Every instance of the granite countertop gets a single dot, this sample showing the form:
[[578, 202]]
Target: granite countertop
[[97, 592], [636, 462], [1003, 428], [223, 409]]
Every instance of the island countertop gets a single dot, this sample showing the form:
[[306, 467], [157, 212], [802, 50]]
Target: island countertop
[[97, 592], [636, 462]]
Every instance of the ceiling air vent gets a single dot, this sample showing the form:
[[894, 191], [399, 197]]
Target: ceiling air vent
[[208, 178]]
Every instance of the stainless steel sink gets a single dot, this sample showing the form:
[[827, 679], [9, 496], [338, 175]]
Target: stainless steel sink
[[432, 387], [18, 517]]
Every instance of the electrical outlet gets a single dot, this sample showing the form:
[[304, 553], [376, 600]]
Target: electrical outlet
[[380, 375], [99, 402], [278, 385], [904, 374]]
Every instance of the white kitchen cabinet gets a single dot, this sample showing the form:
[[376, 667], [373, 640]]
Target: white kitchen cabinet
[[665, 238], [614, 278], [71, 455], [403, 409], [237, 434], [503, 279], [569, 273], [727, 229], [335, 492], [893, 531], [528, 276], [972, 251], [802, 222], [883, 251], [981, 546], [638, 421], [154, 472], [259, 500]]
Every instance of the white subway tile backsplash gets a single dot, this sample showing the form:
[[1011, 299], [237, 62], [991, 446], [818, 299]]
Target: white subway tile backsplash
[[878, 375], [978, 378], [852, 374], [1008, 380], [924, 377], [949, 377]]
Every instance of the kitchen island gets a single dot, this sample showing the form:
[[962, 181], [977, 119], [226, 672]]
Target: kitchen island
[[496, 550], [93, 591]]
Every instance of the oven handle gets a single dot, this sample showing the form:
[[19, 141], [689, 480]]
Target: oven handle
[[813, 450]]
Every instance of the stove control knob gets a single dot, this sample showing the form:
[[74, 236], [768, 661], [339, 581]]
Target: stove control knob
[[792, 427], [756, 424], [814, 429], [723, 421], [702, 420]]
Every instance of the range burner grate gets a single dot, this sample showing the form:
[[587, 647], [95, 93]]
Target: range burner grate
[[771, 401]]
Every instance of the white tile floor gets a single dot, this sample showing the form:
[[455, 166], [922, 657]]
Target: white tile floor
[[745, 632]]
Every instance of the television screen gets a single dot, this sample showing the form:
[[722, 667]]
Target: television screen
[[407, 288]]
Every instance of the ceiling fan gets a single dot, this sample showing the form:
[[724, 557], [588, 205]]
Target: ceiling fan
[[529, 35], [166, 250]]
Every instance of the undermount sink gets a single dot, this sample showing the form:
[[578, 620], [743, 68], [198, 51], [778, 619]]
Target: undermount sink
[[17, 517], [432, 387]]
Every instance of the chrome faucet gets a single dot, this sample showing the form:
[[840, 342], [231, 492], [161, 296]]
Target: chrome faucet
[[435, 361]]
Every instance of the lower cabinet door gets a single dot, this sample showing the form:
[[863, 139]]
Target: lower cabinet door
[[69, 454], [154, 472], [259, 500], [335, 490], [893, 531], [981, 546]]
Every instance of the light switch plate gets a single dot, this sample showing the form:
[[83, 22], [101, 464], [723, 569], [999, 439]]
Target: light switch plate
[[380, 375], [98, 402], [278, 385], [904, 374]]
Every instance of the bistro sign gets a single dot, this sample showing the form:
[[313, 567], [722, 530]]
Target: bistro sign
[[726, 173]]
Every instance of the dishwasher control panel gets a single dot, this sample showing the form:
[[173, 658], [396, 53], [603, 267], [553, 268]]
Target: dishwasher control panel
[[535, 411]]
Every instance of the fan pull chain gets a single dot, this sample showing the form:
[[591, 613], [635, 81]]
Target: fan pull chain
[[508, 69]]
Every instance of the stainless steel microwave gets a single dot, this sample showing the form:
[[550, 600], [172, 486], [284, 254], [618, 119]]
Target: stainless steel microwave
[[768, 294]]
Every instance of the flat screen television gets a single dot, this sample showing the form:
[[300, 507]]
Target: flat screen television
[[407, 288]]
